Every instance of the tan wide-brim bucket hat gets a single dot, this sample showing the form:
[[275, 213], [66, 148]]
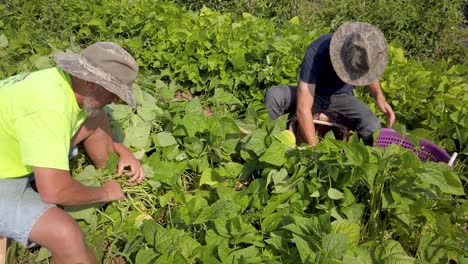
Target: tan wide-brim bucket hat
[[358, 52], [106, 64]]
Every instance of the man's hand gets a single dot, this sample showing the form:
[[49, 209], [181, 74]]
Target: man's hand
[[387, 110], [113, 190], [127, 160], [376, 92]]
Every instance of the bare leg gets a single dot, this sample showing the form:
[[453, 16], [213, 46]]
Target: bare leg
[[96, 136], [61, 235]]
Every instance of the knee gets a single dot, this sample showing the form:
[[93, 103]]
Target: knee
[[67, 231], [273, 94], [278, 100], [56, 230], [369, 126], [374, 125]]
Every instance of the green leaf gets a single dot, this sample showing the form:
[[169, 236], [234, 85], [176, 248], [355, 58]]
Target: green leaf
[[254, 145], [389, 252], [89, 176], [146, 113], [271, 222], [354, 212], [150, 228], [348, 228], [193, 124], [243, 255], [238, 59], [165, 171], [193, 107], [137, 136], [165, 139], [357, 255], [223, 97], [119, 111], [171, 258], [348, 197], [42, 62], [306, 253], [439, 249], [83, 212], [444, 225], [233, 169], [279, 243], [275, 154], [42, 255], [169, 241], [278, 177], [441, 175], [3, 41], [356, 153], [209, 178], [219, 209], [146, 256], [335, 194], [335, 245]]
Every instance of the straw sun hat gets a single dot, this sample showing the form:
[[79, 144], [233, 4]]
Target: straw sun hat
[[106, 64], [358, 53]]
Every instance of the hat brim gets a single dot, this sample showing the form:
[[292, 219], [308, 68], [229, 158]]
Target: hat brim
[[73, 64], [378, 44]]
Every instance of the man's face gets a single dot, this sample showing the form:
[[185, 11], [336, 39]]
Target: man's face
[[97, 97]]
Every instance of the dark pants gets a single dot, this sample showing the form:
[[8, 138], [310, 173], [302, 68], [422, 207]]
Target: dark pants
[[349, 110]]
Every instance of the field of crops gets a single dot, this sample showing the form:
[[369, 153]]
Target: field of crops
[[223, 185]]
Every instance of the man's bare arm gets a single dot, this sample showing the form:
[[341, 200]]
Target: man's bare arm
[[305, 101], [376, 92], [58, 187]]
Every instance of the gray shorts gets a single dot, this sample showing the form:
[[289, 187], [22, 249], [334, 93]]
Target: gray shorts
[[20, 208]]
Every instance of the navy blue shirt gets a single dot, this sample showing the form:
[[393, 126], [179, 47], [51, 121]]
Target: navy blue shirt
[[316, 68]]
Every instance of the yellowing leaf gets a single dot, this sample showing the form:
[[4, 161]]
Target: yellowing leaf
[[139, 219], [295, 20], [286, 137]]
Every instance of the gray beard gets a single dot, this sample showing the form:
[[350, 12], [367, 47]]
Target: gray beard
[[89, 109]]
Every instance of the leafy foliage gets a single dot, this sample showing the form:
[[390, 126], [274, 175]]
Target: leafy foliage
[[432, 29], [228, 187]]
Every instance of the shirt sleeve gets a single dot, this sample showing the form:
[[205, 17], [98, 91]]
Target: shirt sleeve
[[315, 59], [310, 65], [44, 139]]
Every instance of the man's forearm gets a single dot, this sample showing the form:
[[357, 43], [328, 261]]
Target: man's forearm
[[306, 126], [58, 187], [375, 90], [305, 101], [78, 194], [120, 149]]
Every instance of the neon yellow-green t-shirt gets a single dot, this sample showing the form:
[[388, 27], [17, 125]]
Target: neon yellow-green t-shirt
[[38, 117]]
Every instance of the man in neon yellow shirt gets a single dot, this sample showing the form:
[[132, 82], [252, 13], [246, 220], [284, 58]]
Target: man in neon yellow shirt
[[42, 115]]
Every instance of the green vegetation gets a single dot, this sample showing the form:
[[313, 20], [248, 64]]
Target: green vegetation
[[433, 29], [216, 194]]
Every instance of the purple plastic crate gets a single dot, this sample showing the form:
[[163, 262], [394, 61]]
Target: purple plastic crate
[[389, 136], [427, 150], [432, 152]]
